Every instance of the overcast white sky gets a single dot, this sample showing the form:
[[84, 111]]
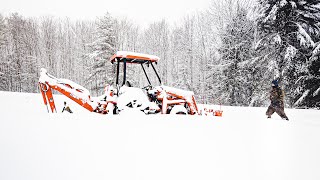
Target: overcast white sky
[[142, 11]]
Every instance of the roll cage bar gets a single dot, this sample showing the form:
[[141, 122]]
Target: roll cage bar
[[125, 60]]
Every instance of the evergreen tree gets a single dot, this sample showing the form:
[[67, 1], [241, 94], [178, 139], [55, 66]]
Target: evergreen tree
[[310, 88], [102, 49], [287, 29], [236, 53]]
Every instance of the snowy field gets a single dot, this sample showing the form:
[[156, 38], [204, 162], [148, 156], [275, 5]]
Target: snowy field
[[243, 144]]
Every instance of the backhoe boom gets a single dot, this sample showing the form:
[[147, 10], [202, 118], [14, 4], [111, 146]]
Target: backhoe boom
[[70, 89]]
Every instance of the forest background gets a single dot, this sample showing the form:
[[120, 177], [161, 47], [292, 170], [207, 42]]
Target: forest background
[[227, 54]]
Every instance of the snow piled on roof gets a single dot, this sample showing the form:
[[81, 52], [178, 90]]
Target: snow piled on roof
[[126, 53]]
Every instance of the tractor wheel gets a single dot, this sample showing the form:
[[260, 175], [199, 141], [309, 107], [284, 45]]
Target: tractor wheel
[[179, 109]]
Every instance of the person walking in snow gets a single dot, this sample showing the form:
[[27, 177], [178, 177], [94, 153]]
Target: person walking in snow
[[66, 108], [277, 104]]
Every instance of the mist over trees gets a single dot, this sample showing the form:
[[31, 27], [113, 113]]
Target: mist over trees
[[227, 54]]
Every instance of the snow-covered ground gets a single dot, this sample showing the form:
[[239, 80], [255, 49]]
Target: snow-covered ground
[[243, 144]]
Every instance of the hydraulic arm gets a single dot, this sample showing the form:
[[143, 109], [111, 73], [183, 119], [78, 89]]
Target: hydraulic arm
[[73, 91]]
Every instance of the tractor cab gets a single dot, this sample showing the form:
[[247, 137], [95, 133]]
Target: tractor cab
[[158, 98], [128, 92], [124, 58]]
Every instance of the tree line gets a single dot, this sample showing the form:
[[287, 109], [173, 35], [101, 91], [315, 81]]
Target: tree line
[[227, 54]]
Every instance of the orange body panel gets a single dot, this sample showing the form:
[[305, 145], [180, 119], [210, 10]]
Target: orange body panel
[[218, 113], [113, 58], [192, 105], [48, 96], [42, 90], [76, 99], [51, 100], [175, 99]]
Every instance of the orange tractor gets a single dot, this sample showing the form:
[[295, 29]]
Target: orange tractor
[[149, 99]]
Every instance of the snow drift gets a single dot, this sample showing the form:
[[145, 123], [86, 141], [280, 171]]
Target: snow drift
[[242, 144]]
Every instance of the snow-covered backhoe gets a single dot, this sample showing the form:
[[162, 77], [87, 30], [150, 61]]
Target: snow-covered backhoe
[[124, 98]]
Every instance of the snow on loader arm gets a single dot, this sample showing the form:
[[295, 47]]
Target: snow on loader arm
[[73, 91]]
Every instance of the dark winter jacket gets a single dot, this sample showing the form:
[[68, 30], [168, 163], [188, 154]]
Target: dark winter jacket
[[276, 97]]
